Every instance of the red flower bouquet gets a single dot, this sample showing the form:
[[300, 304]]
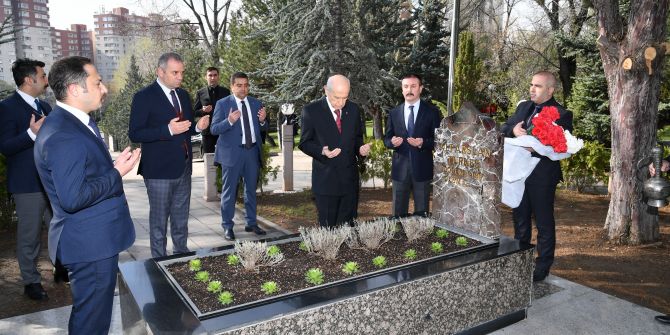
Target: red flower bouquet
[[544, 128]]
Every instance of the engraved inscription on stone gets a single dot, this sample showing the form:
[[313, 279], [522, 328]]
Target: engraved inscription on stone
[[468, 172]]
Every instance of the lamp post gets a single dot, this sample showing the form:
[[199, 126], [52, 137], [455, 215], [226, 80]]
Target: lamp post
[[455, 18], [287, 146]]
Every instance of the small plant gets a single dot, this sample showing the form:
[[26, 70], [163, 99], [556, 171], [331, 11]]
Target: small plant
[[410, 254], [314, 276], [371, 235], [225, 298], [436, 247], [273, 251], [350, 268], [461, 241], [195, 265], [214, 286], [417, 227], [379, 261], [270, 287], [253, 255], [202, 276], [324, 242], [233, 260], [441, 233], [303, 246]]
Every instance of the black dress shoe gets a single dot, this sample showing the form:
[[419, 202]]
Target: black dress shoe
[[256, 229], [663, 319], [229, 235], [60, 273], [35, 291], [539, 275]]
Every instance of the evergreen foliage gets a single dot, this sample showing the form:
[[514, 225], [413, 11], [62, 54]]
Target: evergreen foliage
[[467, 72]]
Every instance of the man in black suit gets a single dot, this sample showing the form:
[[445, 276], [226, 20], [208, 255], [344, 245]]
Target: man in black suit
[[21, 116], [332, 135], [410, 132], [540, 190], [205, 100]]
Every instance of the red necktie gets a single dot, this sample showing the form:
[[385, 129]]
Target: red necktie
[[338, 121]]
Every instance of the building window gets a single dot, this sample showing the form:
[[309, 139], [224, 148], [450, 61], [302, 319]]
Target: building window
[[23, 5], [24, 14]]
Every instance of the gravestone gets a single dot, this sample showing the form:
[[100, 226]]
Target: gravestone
[[468, 172]]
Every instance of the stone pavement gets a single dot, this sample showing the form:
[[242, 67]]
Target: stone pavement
[[559, 306]]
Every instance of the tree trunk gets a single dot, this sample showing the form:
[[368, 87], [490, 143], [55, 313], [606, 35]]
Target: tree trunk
[[567, 69], [634, 96], [377, 124]]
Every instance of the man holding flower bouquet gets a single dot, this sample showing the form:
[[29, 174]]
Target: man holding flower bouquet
[[540, 185]]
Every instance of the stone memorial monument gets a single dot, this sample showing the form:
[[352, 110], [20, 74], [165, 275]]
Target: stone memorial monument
[[468, 172]]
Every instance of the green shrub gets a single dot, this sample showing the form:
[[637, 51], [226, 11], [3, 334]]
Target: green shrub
[[314, 276], [195, 265], [202, 276], [270, 287], [461, 241], [6, 206], [587, 167], [303, 246], [273, 250], [233, 260], [379, 261], [214, 286], [350, 268], [225, 298], [410, 254], [436, 247], [378, 164], [441, 233]]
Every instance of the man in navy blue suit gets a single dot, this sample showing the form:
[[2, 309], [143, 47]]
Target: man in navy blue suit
[[21, 116], [91, 222], [238, 119], [410, 132], [161, 119], [539, 193]]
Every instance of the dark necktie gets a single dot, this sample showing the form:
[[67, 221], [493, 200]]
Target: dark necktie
[[180, 115], [96, 130], [38, 107], [410, 121], [212, 95], [246, 125], [338, 120], [535, 111]]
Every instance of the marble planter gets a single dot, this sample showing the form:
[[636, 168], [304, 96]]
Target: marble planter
[[473, 291]]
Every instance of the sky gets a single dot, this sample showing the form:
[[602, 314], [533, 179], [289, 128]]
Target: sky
[[63, 13]]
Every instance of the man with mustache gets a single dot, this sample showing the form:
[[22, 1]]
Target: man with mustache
[[161, 118], [21, 116], [540, 190], [410, 133]]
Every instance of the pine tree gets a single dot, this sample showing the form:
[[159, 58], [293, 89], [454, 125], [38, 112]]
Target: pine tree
[[115, 119], [467, 72]]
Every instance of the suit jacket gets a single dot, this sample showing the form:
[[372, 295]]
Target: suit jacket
[[421, 159], [229, 145], [91, 220], [17, 146], [547, 172], [332, 176], [163, 155], [202, 98]]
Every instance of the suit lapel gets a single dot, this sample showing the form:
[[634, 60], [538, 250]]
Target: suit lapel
[[420, 113], [167, 104], [330, 120], [26, 107], [83, 128]]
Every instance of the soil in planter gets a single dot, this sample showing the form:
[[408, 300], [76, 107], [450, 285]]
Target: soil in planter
[[290, 274]]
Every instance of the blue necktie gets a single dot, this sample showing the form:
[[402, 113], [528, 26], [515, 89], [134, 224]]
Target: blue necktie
[[38, 107], [410, 122], [96, 130], [246, 125]]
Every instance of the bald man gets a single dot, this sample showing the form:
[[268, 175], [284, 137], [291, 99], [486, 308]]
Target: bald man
[[538, 196], [332, 134]]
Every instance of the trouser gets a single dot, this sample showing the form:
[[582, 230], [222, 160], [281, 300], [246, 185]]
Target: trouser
[[32, 209]]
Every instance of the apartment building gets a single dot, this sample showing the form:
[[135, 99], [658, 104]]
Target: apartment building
[[77, 41]]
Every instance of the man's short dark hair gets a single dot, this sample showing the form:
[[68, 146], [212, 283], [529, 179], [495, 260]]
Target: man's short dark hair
[[164, 58], [413, 75], [25, 67], [69, 70], [238, 75], [212, 68]]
